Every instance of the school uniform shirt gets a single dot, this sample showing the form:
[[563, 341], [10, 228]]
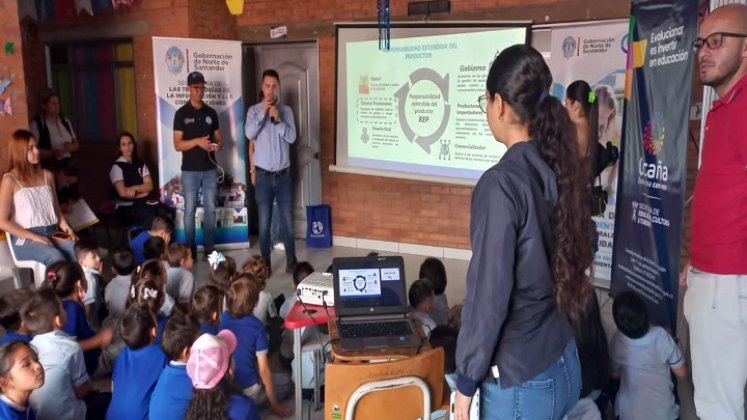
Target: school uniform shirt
[[134, 378], [77, 326], [12, 411], [64, 370], [172, 393], [180, 284], [206, 328], [425, 321], [644, 364], [440, 312], [160, 325], [13, 335], [137, 244], [94, 296], [286, 307], [241, 407], [265, 307], [115, 295], [251, 340]]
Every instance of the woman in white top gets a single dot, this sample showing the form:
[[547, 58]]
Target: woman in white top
[[29, 211], [54, 133]]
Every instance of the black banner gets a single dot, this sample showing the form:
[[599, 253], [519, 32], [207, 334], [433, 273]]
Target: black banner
[[651, 184]]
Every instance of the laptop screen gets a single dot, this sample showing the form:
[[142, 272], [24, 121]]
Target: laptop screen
[[369, 285]]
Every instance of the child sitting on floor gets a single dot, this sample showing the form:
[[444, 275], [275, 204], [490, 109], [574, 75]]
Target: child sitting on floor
[[433, 269], [173, 391], [206, 307], [210, 368], [265, 309], [642, 357], [20, 373], [67, 391], [10, 316], [67, 280], [253, 373], [138, 366], [118, 288], [421, 301]]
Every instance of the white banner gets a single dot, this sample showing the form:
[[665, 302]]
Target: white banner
[[596, 53], [220, 63]]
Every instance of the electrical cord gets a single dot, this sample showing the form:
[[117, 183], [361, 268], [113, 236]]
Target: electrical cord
[[314, 326], [222, 175]]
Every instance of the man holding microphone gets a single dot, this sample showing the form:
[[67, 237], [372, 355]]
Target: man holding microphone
[[271, 125]]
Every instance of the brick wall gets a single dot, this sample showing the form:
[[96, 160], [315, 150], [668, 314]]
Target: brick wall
[[168, 18], [386, 208], [11, 67]]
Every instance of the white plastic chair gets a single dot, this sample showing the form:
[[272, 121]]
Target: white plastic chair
[[387, 384], [7, 266], [38, 268]]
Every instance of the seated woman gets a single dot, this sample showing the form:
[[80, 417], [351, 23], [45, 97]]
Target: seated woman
[[29, 211], [132, 181], [54, 133]]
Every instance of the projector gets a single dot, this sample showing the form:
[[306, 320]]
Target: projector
[[316, 289]]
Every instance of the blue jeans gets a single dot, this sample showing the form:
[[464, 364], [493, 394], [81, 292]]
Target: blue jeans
[[191, 183], [269, 188], [549, 395], [275, 224], [45, 254]]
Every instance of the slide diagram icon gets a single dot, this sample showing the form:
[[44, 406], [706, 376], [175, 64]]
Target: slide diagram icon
[[417, 76]]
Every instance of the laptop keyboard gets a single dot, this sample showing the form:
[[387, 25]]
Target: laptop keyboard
[[375, 329]]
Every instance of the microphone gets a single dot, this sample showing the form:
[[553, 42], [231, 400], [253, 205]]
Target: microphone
[[274, 121]]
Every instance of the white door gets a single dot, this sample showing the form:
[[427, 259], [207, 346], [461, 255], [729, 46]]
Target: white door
[[298, 67]]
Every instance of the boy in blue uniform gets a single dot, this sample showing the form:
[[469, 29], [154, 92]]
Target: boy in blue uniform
[[174, 389]]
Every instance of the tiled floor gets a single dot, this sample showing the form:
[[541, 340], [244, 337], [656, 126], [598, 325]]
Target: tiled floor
[[280, 282]]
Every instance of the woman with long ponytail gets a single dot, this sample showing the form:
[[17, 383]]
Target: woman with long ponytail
[[531, 245]]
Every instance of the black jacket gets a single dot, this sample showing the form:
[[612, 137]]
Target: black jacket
[[510, 318]]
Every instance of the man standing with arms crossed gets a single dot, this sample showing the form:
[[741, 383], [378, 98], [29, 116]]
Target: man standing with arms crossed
[[716, 278], [271, 125], [197, 136]]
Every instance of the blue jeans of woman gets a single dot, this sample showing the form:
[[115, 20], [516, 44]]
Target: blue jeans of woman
[[549, 395], [192, 181], [45, 254]]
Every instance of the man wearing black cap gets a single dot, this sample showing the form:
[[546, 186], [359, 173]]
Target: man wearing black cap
[[197, 136]]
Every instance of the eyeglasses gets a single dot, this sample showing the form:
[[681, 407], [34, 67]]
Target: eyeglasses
[[714, 40], [483, 102]]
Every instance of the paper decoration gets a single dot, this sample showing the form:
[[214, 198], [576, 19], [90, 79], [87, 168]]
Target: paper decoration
[[10, 48], [235, 7], [118, 4], [4, 85], [5, 107], [84, 5], [44, 9], [27, 8]]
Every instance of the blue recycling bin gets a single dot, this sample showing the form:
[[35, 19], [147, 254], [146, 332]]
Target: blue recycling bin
[[319, 226]]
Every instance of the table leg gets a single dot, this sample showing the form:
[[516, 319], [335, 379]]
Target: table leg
[[317, 397], [297, 369]]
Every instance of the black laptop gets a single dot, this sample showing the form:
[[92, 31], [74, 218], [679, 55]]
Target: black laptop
[[371, 303]]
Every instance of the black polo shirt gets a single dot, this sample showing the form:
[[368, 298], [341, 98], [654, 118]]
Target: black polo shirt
[[196, 123]]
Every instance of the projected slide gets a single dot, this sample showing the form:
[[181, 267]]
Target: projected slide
[[415, 108], [360, 283]]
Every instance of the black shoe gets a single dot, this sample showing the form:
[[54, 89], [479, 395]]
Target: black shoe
[[291, 265], [268, 263]]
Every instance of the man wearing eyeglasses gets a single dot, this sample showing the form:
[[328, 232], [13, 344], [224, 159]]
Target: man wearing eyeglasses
[[716, 278], [197, 136]]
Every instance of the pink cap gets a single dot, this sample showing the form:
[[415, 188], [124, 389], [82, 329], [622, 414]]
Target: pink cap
[[209, 359]]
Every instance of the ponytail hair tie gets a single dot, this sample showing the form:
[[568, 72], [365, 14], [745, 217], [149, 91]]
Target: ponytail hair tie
[[52, 275], [592, 96], [132, 291]]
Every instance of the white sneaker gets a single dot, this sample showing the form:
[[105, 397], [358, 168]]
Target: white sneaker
[[279, 246]]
